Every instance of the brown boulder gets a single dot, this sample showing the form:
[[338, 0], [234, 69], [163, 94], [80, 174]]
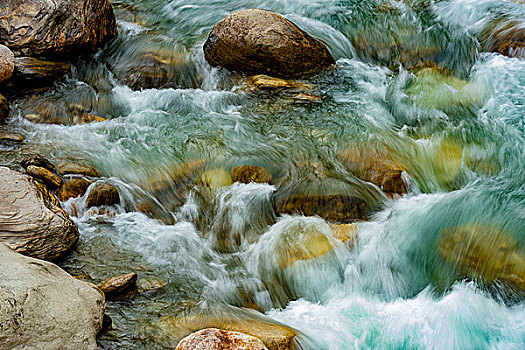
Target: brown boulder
[[218, 339], [55, 28], [261, 42], [72, 188], [7, 63], [48, 178], [38, 161], [4, 109], [102, 194], [118, 284], [250, 173], [331, 207], [72, 168], [369, 164], [31, 220], [29, 69]]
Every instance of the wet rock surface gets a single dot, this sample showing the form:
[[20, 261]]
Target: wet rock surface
[[102, 194], [31, 220], [484, 253], [62, 27], [72, 188], [376, 167], [4, 109], [250, 173], [45, 308], [7, 63], [261, 42], [118, 285], [30, 70], [213, 338], [331, 207], [37, 160], [75, 168], [48, 178]]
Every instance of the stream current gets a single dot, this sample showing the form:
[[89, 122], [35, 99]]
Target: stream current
[[215, 249]]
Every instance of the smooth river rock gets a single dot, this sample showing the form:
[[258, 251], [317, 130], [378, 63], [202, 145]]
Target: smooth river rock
[[250, 173], [219, 339], [256, 41], [55, 28], [118, 284], [49, 179], [7, 63], [72, 188], [31, 220], [42, 307], [102, 194]]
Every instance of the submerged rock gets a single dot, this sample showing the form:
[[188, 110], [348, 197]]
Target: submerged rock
[[261, 42], [505, 37], [118, 284], [484, 253], [438, 88], [4, 109], [215, 178], [29, 70], [250, 173], [45, 308], [369, 164], [74, 168], [11, 137], [31, 220], [61, 27], [48, 178], [7, 63], [331, 207], [218, 339], [72, 188], [102, 194], [268, 83]]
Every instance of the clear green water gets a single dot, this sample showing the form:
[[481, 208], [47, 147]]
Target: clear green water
[[390, 291]]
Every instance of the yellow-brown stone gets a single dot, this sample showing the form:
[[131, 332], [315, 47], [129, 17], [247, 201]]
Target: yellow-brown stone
[[485, 253], [47, 177]]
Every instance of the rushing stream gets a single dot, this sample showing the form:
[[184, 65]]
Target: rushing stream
[[212, 247]]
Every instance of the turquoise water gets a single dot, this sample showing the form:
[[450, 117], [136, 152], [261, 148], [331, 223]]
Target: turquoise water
[[460, 141]]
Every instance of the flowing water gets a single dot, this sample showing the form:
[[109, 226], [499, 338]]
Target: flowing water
[[202, 245]]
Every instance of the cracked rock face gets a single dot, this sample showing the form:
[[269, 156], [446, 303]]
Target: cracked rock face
[[262, 42], [55, 27], [42, 307], [31, 219]]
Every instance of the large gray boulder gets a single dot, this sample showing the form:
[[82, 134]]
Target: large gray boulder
[[31, 219], [261, 42], [42, 307], [7, 63], [55, 27]]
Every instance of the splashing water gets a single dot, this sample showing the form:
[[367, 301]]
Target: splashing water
[[414, 91]]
